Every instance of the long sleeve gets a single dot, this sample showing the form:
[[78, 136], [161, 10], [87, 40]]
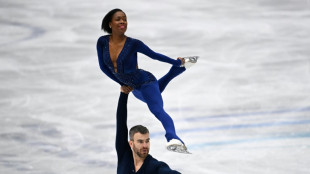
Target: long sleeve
[[102, 65], [153, 166], [121, 142], [142, 48], [165, 169]]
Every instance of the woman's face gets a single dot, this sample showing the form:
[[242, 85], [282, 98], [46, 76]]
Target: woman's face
[[119, 23]]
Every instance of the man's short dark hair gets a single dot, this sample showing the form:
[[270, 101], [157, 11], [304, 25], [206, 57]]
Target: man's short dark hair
[[137, 129]]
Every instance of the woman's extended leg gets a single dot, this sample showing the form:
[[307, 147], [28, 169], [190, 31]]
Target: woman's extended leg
[[152, 97]]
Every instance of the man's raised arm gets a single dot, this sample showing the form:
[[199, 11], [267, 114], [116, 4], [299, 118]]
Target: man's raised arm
[[121, 142]]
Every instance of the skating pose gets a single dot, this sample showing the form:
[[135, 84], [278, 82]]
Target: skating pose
[[133, 155], [117, 55]]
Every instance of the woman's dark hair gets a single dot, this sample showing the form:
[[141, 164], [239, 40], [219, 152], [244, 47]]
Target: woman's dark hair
[[107, 19]]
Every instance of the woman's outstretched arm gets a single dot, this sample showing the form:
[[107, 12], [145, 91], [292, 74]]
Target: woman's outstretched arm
[[144, 49]]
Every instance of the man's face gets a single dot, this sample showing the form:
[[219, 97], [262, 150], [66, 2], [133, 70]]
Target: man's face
[[140, 144]]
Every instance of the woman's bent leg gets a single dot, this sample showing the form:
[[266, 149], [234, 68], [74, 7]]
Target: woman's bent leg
[[173, 72], [153, 98], [162, 82]]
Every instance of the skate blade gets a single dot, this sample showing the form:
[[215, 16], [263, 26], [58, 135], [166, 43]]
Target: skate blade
[[178, 149], [190, 61]]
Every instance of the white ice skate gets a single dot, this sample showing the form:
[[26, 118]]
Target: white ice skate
[[175, 145], [189, 61]]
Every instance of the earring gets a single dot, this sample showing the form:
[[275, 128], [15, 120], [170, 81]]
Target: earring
[[110, 26]]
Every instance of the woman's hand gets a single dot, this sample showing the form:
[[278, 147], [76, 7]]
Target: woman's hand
[[182, 60], [126, 89]]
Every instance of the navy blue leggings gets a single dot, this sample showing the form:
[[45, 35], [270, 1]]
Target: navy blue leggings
[[151, 95]]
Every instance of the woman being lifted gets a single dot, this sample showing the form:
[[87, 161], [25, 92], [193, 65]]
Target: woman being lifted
[[117, 55]]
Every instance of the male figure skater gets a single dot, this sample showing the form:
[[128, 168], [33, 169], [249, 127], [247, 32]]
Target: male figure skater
[[133, 156]]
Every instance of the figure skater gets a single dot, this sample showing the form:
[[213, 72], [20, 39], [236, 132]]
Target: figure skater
[[117, 55], [133, 155]]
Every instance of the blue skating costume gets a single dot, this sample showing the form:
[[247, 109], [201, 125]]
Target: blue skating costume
[[146, 87]]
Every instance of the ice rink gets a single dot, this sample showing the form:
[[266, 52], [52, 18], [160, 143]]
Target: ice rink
[[244, 108]]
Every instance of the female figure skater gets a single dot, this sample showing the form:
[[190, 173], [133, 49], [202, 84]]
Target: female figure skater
[[117, 55]]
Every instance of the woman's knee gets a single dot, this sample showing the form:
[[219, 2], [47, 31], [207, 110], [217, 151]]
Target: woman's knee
[[157, 110]]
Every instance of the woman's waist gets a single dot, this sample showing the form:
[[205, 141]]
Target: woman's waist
[[135, 78], [132, 72]]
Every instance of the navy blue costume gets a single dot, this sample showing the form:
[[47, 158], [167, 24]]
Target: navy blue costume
[[146, 87], [125, 163]]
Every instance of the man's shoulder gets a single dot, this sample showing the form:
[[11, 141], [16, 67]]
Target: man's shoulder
[[154, 162], [125, 162], [150, 158], [159, 166]]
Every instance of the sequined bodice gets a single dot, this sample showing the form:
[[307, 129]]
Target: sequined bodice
[[127, 72]]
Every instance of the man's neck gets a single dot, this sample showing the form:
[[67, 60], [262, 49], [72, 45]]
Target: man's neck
[[137, 161]]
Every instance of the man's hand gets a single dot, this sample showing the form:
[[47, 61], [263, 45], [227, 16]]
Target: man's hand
[[126, 89]]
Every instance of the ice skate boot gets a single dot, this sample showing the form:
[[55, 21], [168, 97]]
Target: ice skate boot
[[175, 145], [189, 61]]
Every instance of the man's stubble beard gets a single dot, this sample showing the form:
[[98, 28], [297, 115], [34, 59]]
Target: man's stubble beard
[[136, 151]]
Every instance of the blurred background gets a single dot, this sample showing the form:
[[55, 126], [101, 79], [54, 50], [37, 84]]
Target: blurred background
[[243, 108]]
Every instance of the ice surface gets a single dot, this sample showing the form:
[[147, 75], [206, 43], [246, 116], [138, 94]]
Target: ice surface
[[244, 108]]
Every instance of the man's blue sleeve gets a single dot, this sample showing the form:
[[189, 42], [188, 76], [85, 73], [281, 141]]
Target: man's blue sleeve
[[121, 142], [165, 169]]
